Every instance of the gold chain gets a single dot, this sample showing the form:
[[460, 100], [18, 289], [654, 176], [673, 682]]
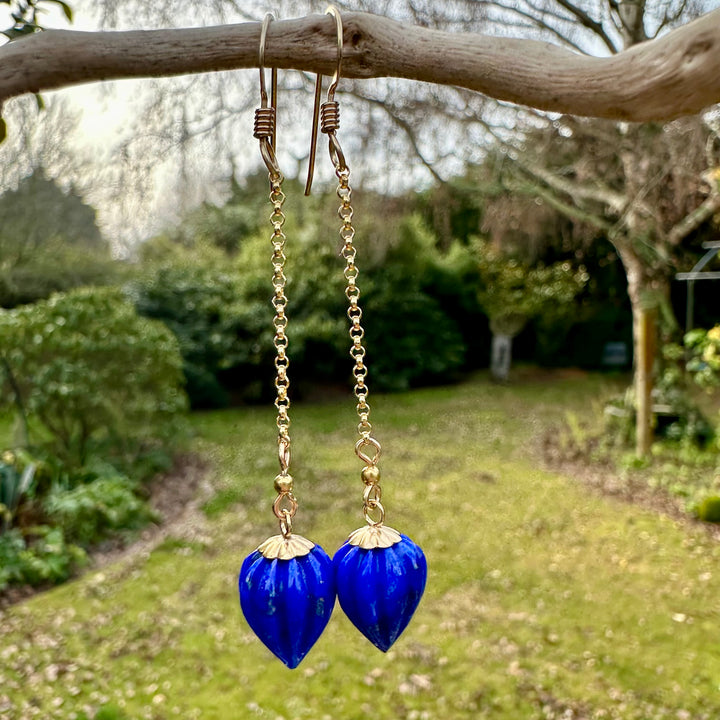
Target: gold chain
[[279, 303], [367, 447], [285, 505]]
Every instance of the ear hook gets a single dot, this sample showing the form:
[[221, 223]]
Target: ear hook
[[329, 109], [265, 117], [332, 10]]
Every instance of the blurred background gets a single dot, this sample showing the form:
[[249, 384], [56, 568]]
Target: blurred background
[[496, 245]]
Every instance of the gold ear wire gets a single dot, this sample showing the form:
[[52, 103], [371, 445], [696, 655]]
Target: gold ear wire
[[266, 116], [329, 109]]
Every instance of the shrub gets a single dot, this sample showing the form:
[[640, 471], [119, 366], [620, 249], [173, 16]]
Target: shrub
[[411, 297], [48, 558], [709, 509], [678, 415], [316, 309], [14, 484], [410, 340], [92, 373], [91, 512], [195, 301], [512, 292], [422, 310], [704, 361]]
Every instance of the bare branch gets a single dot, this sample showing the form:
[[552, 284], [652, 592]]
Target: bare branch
[[588, 22], [671, 76], [671, 18], [537, 21], [695, 219], [567, 209], [571, 188], [406, 127]]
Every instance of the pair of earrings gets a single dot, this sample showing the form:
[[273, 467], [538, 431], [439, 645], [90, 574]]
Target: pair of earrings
[[288, 586]]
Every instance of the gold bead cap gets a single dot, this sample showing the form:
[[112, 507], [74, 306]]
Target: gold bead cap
[[371, 537], [279, 547]]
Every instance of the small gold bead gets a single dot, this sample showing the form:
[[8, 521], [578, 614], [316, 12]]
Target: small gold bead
[[371, 475], [283, 484]]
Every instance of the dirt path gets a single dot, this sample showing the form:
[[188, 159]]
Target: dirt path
[[176, 497]]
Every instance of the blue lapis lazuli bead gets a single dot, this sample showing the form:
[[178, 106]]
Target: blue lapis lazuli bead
[[288, 603], [379, 589]]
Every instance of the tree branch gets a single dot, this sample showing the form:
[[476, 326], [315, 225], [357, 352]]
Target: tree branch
[[528, 187], [695, 219], [406, 127], [574, 189], [537, 20], [677, 74], [588, 22]]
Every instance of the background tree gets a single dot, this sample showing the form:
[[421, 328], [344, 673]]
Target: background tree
[[648, 189], [49, 241], [512, 292]]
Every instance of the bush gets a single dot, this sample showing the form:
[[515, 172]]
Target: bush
[[14, 484], [195, 301], [92, 374], [48, 558], [91, 512], [411, 298], [709, 509], [678, 415], [49, 242], [410, 340], [317, 329], [704, 361], [421, 307]]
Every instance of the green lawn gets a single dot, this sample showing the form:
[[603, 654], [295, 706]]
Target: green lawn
[[544, 600]]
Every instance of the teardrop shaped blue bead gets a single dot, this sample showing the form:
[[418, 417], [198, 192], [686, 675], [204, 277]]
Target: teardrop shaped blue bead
[[288, 603], [379, 589]]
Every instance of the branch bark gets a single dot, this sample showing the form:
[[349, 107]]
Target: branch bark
[[573, 189], [677, 74], [695, 219]]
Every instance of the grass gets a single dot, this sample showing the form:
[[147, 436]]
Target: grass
[[544, 600]]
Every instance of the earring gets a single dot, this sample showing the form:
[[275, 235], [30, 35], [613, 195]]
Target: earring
[[287, 587], [380, 574]]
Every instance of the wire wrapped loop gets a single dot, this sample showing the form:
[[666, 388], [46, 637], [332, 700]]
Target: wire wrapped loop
[[286, 524], [264, 123], [330, 117], [284, 454], [368, 442], [285, 505], [378, 509]]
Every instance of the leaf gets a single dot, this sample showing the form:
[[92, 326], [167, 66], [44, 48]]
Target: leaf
[[40, 102], [3, 130], [67, 10], [27, 477], [15, 32]]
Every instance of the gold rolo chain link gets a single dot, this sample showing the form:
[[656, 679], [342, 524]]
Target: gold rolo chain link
[[279, 303], [367, 447], [285, 505]]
